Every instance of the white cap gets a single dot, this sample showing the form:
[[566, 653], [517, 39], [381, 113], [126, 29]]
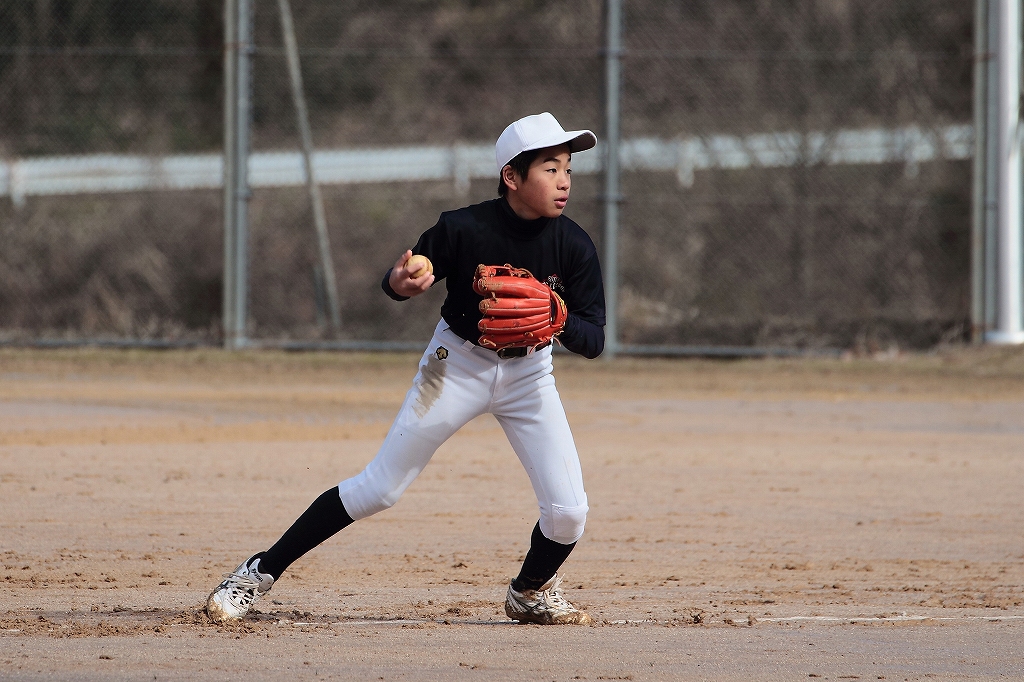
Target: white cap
[[537, 132]]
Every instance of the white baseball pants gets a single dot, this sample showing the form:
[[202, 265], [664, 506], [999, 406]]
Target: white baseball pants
[[458, 381]]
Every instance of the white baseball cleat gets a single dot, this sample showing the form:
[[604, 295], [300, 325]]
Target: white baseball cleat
[[545, 606], [235, 596]]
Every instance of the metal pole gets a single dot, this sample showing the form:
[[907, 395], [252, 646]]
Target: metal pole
[[240, 180], [612, 195], [302, 113], [230, 120], [991, 167], [1009, 189], [981, 64]]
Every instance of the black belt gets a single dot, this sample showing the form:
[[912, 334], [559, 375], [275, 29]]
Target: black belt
[[506, 353]]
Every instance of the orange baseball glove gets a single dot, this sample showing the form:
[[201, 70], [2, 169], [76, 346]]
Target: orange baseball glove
[[519, 311]]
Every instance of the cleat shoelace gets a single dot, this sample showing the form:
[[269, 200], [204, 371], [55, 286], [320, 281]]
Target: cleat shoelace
[[552, 598], [242, 589]]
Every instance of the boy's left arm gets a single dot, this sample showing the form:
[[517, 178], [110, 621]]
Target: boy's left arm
[[584, 326], [582, 337]]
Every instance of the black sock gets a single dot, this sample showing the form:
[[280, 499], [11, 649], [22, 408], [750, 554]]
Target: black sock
[[542, 561], [325, 517]]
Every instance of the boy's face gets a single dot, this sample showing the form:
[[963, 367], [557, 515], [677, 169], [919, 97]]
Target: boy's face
[[545, 190]]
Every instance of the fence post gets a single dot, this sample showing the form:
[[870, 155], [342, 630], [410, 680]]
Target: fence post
[[237, 116], [979, 177], [227, 290], [991, 168], [1010, 285], [612, 192]]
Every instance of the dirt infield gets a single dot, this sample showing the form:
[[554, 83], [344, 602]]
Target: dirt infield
[[855, 519]]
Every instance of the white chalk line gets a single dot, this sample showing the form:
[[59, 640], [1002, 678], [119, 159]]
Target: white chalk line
[[880, 619], [738, 620]]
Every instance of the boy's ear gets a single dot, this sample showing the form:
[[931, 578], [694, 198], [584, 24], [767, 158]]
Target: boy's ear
[[509, 177]]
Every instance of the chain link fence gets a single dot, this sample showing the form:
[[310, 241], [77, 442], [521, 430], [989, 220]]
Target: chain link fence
[[816, 250], [795, 175]]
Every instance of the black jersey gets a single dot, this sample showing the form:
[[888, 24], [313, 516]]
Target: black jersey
[[556, 250]]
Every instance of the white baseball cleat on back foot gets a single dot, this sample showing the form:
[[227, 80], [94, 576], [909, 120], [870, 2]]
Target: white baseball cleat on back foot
[[235, 596], [544, 606]]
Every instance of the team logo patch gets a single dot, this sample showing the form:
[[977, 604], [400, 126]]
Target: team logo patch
[[441, 352], [554, 283]]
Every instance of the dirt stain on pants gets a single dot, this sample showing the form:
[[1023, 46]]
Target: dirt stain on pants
[[431, 383]]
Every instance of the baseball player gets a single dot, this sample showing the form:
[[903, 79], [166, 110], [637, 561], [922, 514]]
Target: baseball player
[[519, 275]]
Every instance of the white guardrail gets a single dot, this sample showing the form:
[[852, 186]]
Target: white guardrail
[[102, 173]]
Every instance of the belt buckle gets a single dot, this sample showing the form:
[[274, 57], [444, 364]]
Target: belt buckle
[[506, 353]]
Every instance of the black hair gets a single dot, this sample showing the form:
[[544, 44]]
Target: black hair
[[520, 166]]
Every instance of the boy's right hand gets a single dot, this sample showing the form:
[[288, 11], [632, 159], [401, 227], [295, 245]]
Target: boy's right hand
[[403, 283]]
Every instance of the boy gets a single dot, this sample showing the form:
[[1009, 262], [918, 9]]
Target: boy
[[462, 374]]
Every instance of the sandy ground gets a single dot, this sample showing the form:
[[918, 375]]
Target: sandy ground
[[855, 519]]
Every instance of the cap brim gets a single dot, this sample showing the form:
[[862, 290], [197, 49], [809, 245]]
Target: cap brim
[[578, 141]]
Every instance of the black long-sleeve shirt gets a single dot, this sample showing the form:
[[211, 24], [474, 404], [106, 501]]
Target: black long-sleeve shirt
[[556, 250]]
